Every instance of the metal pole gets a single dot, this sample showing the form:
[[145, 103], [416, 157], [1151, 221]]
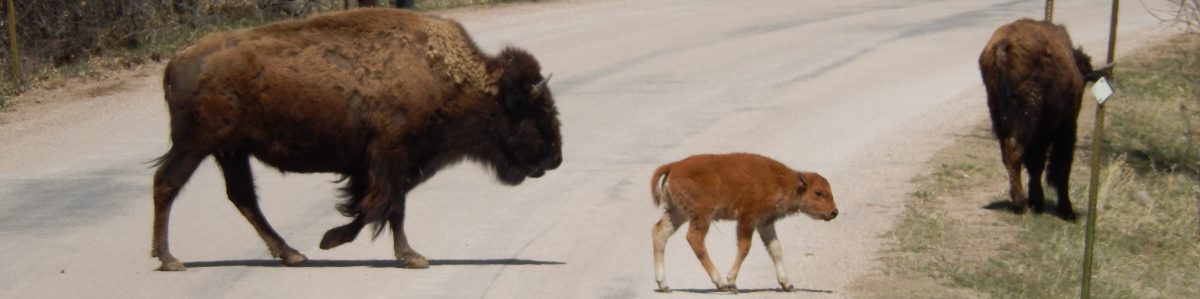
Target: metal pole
[[14, 51], [1049, 11], [1085, 290]]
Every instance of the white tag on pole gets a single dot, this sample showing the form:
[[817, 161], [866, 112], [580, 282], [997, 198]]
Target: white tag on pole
[[1101, 90]]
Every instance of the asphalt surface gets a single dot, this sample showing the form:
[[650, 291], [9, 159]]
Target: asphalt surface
[[860, 91]]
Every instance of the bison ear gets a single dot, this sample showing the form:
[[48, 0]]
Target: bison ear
[[803, 183], [540, 88], [1084, 63]]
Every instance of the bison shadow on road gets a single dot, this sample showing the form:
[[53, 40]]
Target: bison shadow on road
[[368, 263], [742, 291]]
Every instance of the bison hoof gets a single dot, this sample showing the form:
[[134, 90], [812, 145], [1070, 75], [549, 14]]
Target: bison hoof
[[1037, 209], [171, 265], [336, 237], [293, 259], [1019, 210], [1068, 215], [788, 287], [415, 261], [332, 240], [732, 288]]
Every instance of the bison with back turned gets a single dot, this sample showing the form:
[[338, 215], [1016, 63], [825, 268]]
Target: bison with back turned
[[1035, 81], [384, 97]]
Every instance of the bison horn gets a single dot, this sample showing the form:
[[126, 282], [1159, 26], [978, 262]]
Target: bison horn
[[1100, 71], [540, 87]]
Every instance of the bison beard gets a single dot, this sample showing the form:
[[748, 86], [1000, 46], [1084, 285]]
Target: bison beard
[[384, 97], [1035, 82]]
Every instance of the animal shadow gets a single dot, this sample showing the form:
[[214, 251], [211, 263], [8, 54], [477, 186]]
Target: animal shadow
[[1005, 205], [271, 263], [743, 291]]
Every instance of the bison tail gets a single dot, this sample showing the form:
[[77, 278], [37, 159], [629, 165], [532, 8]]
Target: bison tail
[[1001, 63], [658, 185], [998, 81]]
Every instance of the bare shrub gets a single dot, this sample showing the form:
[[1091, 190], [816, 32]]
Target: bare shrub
[[1184, 13]]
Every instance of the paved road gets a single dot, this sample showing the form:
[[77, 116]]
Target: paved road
[[861, 91]]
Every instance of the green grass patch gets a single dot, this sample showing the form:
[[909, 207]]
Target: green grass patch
[[1148, 230]]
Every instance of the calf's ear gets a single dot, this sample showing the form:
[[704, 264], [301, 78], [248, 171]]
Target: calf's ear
[[803, 183]]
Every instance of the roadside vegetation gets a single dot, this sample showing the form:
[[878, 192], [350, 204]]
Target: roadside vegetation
[[957, 238], [62, 39]]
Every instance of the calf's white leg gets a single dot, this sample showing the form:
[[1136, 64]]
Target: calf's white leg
[[767, 232], [662, 231]]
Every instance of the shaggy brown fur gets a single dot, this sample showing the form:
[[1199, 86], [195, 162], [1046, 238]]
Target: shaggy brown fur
[[384, 97], [751, 189], [1035, 83]]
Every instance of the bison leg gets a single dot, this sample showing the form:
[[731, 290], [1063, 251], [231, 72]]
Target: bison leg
[[1010, 152], [404, 253], [767, 232], [1035, 162], [1062, 154], [697, 231], [357, 188], [239, 185], [745, 231], [342, 234], [660, 233], [174, 170]]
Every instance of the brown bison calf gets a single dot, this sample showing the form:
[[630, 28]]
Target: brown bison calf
[[1035, 82], [752, 189]]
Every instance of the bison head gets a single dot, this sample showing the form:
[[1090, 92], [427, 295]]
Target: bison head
[[815, 196], [528, 137], [1084, 63]]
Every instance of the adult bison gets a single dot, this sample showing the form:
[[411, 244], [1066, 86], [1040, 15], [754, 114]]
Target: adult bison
[[384, 97], [751, 189], [1035, 81]]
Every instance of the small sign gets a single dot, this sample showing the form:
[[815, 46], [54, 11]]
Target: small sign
[[1102, 90]]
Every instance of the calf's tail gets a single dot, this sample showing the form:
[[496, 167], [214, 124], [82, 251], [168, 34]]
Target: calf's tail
[[658, 185]]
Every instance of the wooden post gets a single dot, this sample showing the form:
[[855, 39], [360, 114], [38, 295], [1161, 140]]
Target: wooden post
[[1085, 290], [1049, 11], [14, 50]]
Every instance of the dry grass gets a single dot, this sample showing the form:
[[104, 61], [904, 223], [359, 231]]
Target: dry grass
[[443, 4], [948, 245], [1158, 124]]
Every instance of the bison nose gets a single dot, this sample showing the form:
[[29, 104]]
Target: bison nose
[[551, 163]]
